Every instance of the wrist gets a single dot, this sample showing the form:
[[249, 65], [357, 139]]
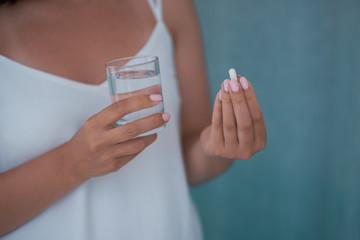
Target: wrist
[[67, 165]]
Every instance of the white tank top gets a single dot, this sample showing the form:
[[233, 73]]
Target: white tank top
[[146, 199]]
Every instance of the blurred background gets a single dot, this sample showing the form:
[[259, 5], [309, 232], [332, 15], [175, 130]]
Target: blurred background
[[303, 59]]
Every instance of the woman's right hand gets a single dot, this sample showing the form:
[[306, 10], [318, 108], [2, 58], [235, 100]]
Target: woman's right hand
[[99, 148]]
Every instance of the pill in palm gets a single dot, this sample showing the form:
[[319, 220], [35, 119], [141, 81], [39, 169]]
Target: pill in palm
[[232, 74]]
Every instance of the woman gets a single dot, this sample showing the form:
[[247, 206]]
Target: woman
[[56, 134]]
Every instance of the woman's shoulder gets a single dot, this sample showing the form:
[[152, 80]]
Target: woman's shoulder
[[179, 15]]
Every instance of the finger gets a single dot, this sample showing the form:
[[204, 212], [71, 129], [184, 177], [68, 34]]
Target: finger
[[122, 161], [137, 127], [117, 110], [229, 121], [155, 89], [217, 134], [243, 119], [132, 146], [257, 117]]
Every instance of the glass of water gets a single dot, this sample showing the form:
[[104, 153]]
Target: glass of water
[[132, 76]]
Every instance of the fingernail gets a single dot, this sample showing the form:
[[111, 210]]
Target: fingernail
[[234, 85], [166, 117], [244, 83], [155, 97], [220, 95], [226, 85]]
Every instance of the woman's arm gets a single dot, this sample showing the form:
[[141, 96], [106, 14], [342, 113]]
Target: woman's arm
[[30, 188], [195, 112], [212, 154], [96, 149]]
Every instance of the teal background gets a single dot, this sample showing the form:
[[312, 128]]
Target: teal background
[[303, 59]]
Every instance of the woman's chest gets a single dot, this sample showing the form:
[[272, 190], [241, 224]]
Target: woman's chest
[[76, 43]]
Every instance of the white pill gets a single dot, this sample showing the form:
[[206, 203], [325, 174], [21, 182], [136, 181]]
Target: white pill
[[232, 74]]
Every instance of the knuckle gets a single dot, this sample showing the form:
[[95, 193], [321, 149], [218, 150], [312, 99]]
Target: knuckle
[[251, 97], [246, 155], [139, 100], [119, 106], [131, 130], [157, 120], [229, 126], [139, 146], [104, 158], [245, 126], [238, 100], [153, 138], [230, 153], [248, 141], [149, 139], [215, 150], [226, 98], [258, 117], [93, 145], [131, 104], [231, 156], [90, 123], [226, 154], [114, 166], [218, 110], [144, 99]]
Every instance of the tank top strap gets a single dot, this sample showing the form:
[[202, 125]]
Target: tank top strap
[[156, 7]]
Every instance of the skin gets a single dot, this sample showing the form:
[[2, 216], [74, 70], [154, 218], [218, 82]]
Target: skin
[[235, 129]]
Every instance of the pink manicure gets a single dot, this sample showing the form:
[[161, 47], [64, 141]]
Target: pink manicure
[[220, 95], [234, 85], [244, 83], [226, 85], [166, 117], [155, 97]]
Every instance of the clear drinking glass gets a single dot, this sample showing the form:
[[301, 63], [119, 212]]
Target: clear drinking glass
[[131, 76]]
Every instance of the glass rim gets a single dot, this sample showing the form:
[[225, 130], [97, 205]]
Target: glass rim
[[151, 59]]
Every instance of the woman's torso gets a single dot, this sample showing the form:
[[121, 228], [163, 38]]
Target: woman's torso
[[54, 85]]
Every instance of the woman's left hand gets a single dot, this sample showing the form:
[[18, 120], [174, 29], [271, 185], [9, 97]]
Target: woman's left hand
[[238, 127]]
